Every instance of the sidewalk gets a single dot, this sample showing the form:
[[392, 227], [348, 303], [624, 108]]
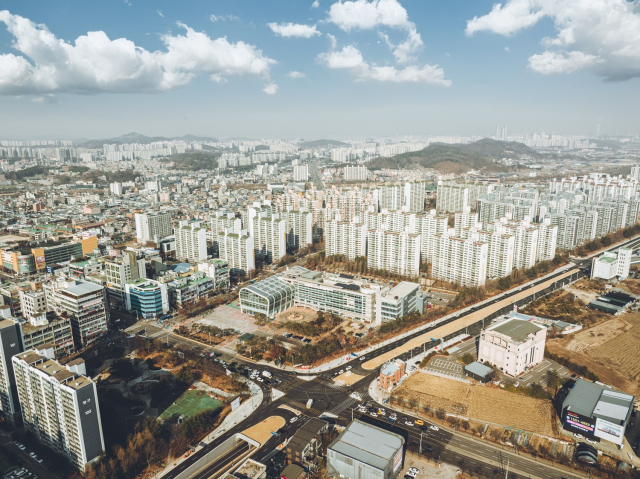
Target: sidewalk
[[231, 420]]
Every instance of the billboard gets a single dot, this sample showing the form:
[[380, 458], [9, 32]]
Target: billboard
[[579, 423], [40, 259], [235, 403], [609, 431]]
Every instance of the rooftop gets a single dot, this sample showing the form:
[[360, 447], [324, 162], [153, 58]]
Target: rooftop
[[518, 330], [369, 444], [595, 400]]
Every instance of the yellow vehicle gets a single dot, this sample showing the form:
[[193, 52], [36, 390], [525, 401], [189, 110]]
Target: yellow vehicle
[[419, 422]]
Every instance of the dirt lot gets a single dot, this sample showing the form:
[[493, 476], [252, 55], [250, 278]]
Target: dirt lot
[[569, 306], [483, 403], [610, 349], [600, 334]]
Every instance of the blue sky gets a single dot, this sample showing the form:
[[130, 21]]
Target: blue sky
[[557, 68]]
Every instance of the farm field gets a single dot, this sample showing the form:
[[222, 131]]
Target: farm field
[[610, 349], [481, 403]]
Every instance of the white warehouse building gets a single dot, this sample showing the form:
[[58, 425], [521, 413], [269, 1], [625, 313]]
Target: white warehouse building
[[612, 264]]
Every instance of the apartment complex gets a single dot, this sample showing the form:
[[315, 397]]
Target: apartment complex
[[59, 406], [152, 226], [398, 253], [460, 261], [237, 250], [343, 238], [191, 242]]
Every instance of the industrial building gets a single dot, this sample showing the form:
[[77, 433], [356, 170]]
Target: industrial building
[[512, 345], [363, 451], [595, 410]]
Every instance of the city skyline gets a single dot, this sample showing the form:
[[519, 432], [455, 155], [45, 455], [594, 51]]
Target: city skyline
[[317, 69]]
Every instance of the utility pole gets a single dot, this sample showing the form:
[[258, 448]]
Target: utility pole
[[420, 454]]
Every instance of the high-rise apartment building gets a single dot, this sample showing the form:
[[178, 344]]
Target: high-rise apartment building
[[10, 344], [116, 188], [270, 238], [355, 173], [59, 406], [191, 242], [348, 239], [414, 195], [237, 249], [152, 226], [398, 253], [460, 261], [301, 173], [299, 228]]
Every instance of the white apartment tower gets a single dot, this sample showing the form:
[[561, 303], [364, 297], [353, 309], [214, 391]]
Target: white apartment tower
[[270, 238], [301, 173], [460, 261], [348, 239], [191, 242], [237, 249], [60, 406], [116, 188], [414, 195], [299, 228], [397, 253], [355, 173], [152, 226]]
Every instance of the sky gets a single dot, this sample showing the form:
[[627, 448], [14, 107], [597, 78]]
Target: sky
[[317, 69]]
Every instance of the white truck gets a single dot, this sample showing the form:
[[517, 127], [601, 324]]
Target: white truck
[[267, 374], [309, 403]]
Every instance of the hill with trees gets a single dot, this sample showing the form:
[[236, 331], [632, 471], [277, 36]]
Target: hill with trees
[[458, 158]]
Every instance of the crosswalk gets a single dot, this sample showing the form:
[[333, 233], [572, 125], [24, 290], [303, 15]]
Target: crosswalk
[[311, 412], [347, 403]]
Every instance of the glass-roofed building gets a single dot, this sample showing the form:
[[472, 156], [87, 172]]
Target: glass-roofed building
[[270, 296]]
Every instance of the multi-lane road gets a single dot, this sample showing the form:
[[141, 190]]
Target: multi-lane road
[[450, 447]]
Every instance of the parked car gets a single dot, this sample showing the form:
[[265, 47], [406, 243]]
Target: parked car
[[434, 428]]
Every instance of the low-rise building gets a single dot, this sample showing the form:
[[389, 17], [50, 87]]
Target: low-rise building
[[218, 270], [597, 411], [306, 442], [147, 298], [391, 374], [512, 345], [189, 289], [363, 451]]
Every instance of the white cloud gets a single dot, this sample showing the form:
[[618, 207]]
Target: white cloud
[[350, 58], [222, 18], [94, 63], [601, 36], [367, 15], [506, 19], [270, 89], [507, 49], [294, 30], [315, 4], [295, 74], [160, 13], [333, 40]]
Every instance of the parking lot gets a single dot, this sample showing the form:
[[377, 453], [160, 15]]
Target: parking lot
[[448, 367], [538, 374]]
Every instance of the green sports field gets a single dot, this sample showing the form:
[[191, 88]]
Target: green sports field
[[190, 404]]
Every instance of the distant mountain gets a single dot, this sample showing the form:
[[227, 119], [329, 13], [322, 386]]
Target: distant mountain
[[134, 137], [322, 144], [446, 158]]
